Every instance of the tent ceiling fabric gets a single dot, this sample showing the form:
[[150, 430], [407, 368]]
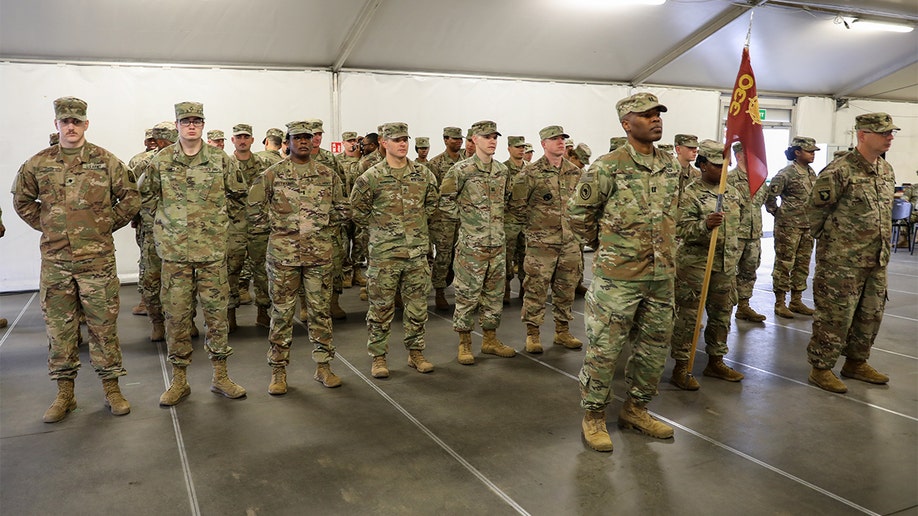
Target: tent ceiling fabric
[[795, 50]]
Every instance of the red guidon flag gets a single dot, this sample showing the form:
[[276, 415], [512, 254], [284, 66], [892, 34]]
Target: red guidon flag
[[744, 124]]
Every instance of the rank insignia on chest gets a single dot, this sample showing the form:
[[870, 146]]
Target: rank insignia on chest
[[547, 197], [823, 195], [653, 189]]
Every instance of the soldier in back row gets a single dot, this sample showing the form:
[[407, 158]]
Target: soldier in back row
[[748, 234], [443, 231]]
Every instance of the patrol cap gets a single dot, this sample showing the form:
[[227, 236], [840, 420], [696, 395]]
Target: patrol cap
[[348, 136], [807, 144], [737, 147], [54, 138], [70, 107], [668, 147], [583, 152], [216, 134], [380, 128], [316, 126], [452, 132], [516, 141], [638, 103], [686, 140], [422, 142], [242, 129], [712, 151], [468, 134], [163, 130], [395, 130], [873, 122], [148, 134], [568, 142], [552, 131], [527, 147], [299, 127], [273, 133], [616, 142], [189, 109], [484, 128]]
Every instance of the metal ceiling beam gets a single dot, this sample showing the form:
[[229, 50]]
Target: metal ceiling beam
[[357, 30], [731, 13], [872, 78]]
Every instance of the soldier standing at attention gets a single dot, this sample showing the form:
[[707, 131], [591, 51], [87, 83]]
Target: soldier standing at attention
[[793, 242], [393, 200], [580, 157], [748, 234], [306, 206], [443, 231], [513, 225], [474, 193], [625, 208], [422, 148], [686, 149], [527, 153], [77, 194], [553, 260], [697, 218], [186, 191], [272, 142], [348, 159], [469, 145], [216, 138], [850, 212]]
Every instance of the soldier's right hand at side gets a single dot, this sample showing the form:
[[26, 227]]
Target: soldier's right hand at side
[[714, 219]]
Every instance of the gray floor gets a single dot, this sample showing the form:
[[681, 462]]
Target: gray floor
[[499, 437]]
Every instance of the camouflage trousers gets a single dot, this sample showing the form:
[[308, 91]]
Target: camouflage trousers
[[284, 284], [849, 309], [257, 251], [150, 276], [410, 276], [66, 289], [340, 242], [793, 248], [639, 313], [479, 284], [555, 267], [359, 246], [443, 237], [516, 250], [183, 284], [347, 270], [750, 251], [245, 276], [235, 259], [719, 307]]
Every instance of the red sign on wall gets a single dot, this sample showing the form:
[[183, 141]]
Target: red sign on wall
[[337, 147]]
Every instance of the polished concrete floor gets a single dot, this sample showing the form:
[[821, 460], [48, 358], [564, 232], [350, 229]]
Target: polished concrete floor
[[499, 437]]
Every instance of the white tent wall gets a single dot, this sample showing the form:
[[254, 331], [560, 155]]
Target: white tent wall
[[814, 118], [903, 155]]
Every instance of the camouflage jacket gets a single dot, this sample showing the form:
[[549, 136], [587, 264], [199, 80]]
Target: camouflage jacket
[[139, 159], [325, 157], [687, 174], [305, 204], [539, 197], [188, 196], [793, 184], [270, 156], [441, 163], [236, 208], [750, 223], [850, 212], [697, 202], [514, 171], [348, 164], [76, 206], [394, 204], [626, 207], [475, 195]]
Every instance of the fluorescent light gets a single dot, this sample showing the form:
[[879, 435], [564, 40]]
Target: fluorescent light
[[872, 25], [616, 3]]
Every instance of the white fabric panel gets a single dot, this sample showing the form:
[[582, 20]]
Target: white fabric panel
[[901, 155], [123, 102], [689, 112], [815, 116]]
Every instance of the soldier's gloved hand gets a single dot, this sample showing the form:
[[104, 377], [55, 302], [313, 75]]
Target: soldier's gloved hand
[[713, 220]]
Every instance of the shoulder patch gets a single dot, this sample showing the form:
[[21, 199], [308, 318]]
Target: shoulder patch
[[586, 191]]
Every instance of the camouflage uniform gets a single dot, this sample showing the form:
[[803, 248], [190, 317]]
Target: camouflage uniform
[[361, 237], [238, 234], [793, 243], [513, 229], [539, 196], [270, 156], [252, 266], [77, 198], [188, 198], [394, 205], [748, 232], [475, 194], [305, 206], [442, 231], [625, 208]]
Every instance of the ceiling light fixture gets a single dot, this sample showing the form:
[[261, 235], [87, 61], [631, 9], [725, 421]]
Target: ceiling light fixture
[[854, 23]]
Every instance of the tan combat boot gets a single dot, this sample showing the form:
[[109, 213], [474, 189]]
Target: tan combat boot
[[63, 403], [263, 319], [3, 322], [360, 277], [337, 314], [245, 298], [326, 377], [158, 333], [533, 342], [114, 400], [796, 305], [716, 368], [595, 431], [861, 370], [465, 356], [826, 380], [278, 383], [440, 299], [363, 293], [564, 338], [231, 320], [178, 390], [347, 281], [492, 346], [634, 415], [140, 309], [747, 313], [416, 360], [682, 377], [222, 383], [379, 369], [780, 308]]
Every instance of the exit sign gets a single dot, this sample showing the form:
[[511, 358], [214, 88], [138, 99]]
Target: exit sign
[[762, 114], [337, 147]]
